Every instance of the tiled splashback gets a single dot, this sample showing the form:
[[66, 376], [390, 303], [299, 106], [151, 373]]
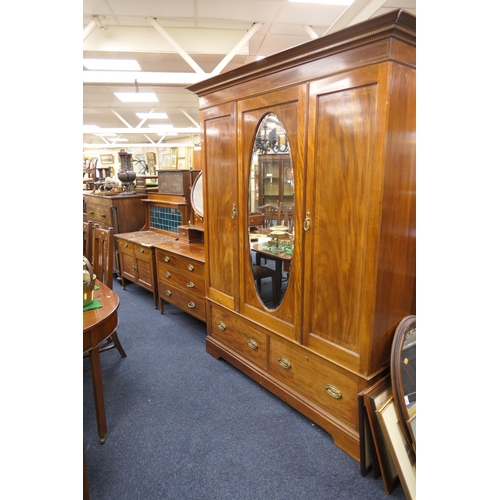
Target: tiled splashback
[[167, 219]]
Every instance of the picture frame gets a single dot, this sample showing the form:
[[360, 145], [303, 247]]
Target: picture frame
[[374, 398], [151, 158], [181, 163], [107, 159], [189, 158], [400, 449], [368, 458], [173, 157], [165, 160]]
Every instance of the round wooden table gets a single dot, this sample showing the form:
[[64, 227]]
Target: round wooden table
[[99, 324]]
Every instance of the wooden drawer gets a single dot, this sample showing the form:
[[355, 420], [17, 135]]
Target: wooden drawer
[[167, 258], [238, 335], [100, 214], [192, 304], [143, 253], [125, 247], [191, 267], [171, 277], [318, 380]]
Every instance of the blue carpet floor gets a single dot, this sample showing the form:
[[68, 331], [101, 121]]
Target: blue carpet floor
[[185, 426]]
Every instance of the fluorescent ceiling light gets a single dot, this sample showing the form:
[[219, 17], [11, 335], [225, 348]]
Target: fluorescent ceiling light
[[91, 128], [121, 139], [112, 64], [153, 116], [106, 135], [136, 96], [325, 2], [164, 126]]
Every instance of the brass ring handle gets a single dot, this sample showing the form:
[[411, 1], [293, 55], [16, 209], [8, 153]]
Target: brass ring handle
[[166, 258], [252, 344], [167, 275], [190, 267], [284, 363], [307, 221], [333, 391], [190, 284], [191, 305], [221, 325], [233, 211], [168, 293], [103, 216], [141, 250]]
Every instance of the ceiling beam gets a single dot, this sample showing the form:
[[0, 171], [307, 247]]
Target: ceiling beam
[[358, 11]]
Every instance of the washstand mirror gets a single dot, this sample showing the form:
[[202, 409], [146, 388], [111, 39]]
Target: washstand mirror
[[403, 377], [271, 202], [197, 196]]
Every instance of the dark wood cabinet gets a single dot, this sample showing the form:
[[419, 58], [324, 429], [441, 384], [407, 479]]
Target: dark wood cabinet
[[124, 213], [275, 182], [347, 103]]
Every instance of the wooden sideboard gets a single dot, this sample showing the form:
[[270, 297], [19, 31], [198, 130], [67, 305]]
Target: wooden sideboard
[[123, 212], [347, 103]]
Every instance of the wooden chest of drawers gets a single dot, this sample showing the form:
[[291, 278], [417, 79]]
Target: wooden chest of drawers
[[181, 276]]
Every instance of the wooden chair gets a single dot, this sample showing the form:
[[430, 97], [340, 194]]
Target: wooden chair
[[270, 214], [103, 249], [286, 215], [263, 271], [87, 239]]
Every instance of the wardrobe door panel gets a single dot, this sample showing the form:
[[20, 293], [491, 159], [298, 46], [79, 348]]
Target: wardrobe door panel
[[343, 206], [220, 198]]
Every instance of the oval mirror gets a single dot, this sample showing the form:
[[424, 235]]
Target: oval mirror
[[271, 206], [403, 377], [197, 196]]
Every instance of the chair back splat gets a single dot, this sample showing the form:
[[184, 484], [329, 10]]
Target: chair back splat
[[103, 248]]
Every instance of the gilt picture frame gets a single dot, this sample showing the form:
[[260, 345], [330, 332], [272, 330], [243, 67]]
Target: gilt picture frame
[[374, 398], [106, 159]]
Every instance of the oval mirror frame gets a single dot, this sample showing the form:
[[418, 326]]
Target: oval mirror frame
[[403, 377], [197, 196], [271, 227]]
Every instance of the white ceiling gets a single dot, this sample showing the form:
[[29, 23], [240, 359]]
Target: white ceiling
[[188, 40]]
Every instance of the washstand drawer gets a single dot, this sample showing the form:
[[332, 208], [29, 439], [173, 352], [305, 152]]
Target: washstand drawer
[[329, 386], [125, 247], [239, 336], [192, 304]]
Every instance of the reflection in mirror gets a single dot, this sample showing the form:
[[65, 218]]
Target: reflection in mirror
[[197, 196], [403, 377], [271, 204]]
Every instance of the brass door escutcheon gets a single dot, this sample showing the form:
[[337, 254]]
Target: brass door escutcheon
[[307, 221]]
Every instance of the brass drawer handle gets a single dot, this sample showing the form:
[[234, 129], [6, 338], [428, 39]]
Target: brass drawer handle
[[190, 267], [284, 363], [191, 305], [168, 293], [103, 216], [221, 325], [125, 245], [91, 212], [333, 391], [167, 275], [183, 233], [141, 250], [252, 344], [166, 258], [190, 284]]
